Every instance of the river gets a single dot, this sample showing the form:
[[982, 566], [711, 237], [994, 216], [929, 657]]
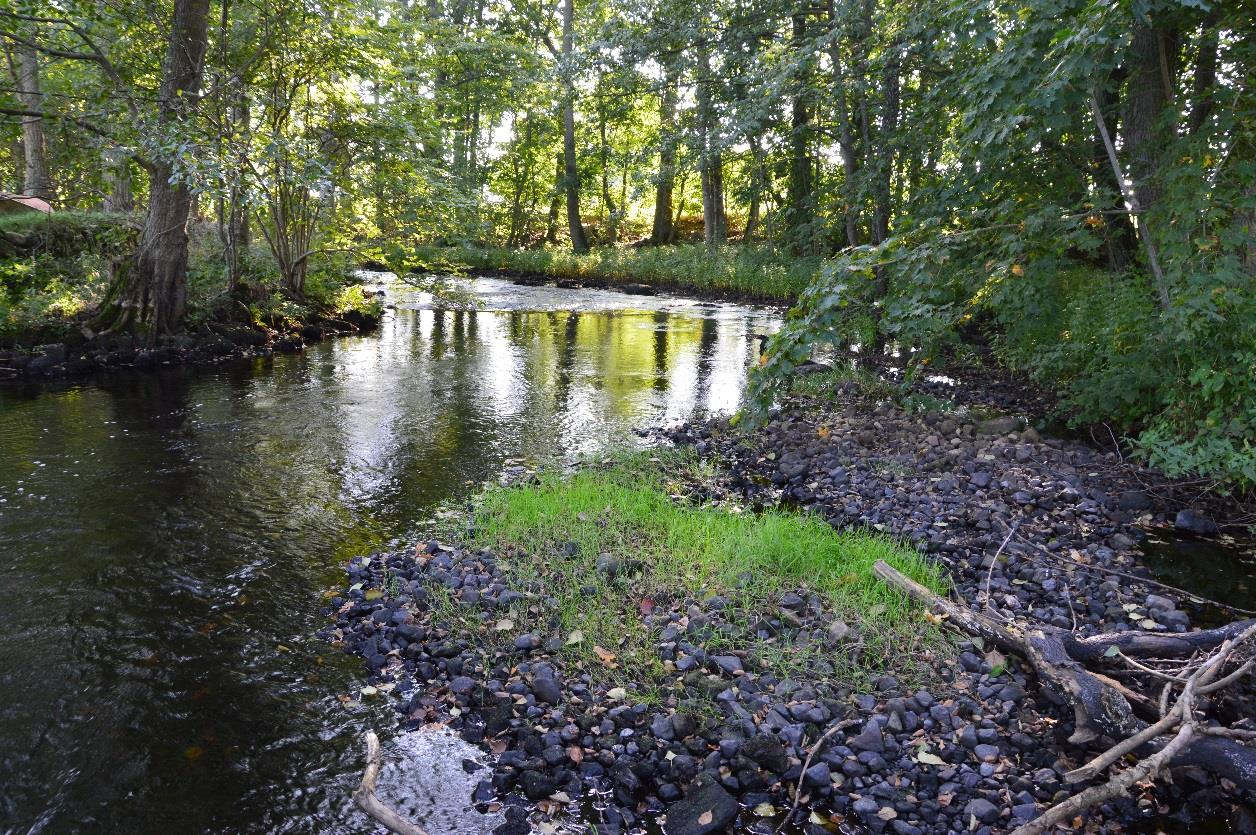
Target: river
[[167, 539]]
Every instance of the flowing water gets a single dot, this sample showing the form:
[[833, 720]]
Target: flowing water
[[166, 539]]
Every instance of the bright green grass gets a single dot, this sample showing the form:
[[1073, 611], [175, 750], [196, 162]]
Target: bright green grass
[[688, 552], [750, 270]]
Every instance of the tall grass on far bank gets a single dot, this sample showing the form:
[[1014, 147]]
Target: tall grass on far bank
[[626, 546], [750, 271]]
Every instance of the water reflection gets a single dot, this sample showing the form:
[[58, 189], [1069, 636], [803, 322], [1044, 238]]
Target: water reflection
[[166, 539]]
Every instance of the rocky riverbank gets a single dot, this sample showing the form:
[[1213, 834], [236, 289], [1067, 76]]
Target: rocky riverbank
[[211, 344], [1030, 527]]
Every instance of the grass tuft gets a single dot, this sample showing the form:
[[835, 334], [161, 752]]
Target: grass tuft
[[552, 534]]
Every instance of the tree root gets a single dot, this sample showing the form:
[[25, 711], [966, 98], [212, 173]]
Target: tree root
[[1176, 735]]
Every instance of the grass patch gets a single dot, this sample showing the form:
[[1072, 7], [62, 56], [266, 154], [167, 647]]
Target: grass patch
[[553, 534], [823, 385], [753, 271]]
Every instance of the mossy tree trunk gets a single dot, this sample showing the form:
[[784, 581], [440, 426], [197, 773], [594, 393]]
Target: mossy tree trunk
[[151, 297]]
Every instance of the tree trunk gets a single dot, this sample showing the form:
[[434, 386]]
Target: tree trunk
[[117, 165], [551, 228], [801, 209], [758, 176], [153, 296], [663, 231], [36, 181], [711, 164], [1145, 101], [571, 176], [846, 137], [1205, 73]]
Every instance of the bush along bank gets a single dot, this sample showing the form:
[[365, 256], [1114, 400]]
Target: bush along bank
[[689, 667]]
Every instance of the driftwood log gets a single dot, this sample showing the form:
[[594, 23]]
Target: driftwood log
[[365, 797], [1164, 732]]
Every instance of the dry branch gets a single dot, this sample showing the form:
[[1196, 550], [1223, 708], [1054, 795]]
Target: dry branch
[[1105, 709]]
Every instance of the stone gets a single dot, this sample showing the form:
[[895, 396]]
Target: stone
[[1191, 522], [838, 631], [981, 809], [1000, 425], [705, 810], [793, 465], [818, 775], [869, 739], [683, 725], [461, 685], [537, 785], [546, 689], [728, 664], [767, 751]]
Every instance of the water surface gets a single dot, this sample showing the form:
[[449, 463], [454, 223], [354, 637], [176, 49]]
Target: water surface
[[166, 539]]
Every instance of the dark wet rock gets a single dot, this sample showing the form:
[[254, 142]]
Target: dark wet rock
[[1190, 521], [546, 689], [537, 785], [793, 465], [983, 810], [704, 810], [869, 739], [728, 664], [767, 751], [683, 725]]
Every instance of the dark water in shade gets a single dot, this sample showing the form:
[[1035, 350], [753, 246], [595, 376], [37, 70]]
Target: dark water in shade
[[166, 538]]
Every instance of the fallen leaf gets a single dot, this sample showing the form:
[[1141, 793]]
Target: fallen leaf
[[575, 753], [575, 637], [887, 813], [505, 625], [706, 817], [607, 657], [765, 810], [930, 759], [369, 690], [617, 694]]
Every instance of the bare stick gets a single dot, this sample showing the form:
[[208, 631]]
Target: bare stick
[[365, 797], [1131, 200], [807, 764], [1119, 784], [990, 574]]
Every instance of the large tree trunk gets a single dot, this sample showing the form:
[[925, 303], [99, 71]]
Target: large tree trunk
[[663, 231], [1145, 101], [571, 176], [152, 298], [36, 181], [801, 209]]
